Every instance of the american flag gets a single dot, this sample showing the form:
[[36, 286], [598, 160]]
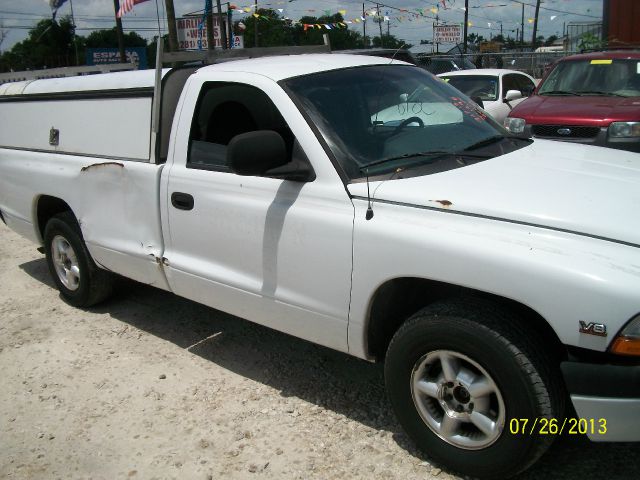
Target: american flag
[[127, 5]]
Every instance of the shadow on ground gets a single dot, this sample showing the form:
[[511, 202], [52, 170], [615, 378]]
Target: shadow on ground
[[318, 375]]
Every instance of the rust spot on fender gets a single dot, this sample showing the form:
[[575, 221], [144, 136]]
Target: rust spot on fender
[[444, 203], [103, 164]]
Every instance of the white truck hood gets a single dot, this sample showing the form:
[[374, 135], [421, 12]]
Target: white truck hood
[[584, 189]]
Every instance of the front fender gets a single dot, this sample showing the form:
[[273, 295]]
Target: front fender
[[565, 277]]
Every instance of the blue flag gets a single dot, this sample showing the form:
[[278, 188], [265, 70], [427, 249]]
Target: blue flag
[[55, 5]]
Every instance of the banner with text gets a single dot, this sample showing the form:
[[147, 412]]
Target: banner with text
[[102, 56], [447, 33], [192, 35]]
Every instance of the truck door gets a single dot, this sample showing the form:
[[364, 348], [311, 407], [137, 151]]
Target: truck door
[[273, 251]]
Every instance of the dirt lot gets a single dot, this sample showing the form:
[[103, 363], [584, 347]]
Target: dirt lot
[[149, 385]]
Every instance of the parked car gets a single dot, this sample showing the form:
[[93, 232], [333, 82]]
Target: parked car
[[499, 90], [591, 98], [442, 64], [396, 54]]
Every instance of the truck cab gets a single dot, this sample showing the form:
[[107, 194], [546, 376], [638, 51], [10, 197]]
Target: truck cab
[[361, 204]]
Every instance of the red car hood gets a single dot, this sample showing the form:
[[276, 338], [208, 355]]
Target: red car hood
[[597, 111]]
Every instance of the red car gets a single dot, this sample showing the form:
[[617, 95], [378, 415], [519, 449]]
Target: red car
[[591, 98]]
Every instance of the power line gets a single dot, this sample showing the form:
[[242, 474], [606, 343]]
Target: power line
[[555, 10]]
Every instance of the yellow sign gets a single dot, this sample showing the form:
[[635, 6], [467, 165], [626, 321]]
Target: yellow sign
[[601, 62]]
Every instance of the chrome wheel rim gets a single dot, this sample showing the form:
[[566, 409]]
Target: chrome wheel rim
[[65, 262], [457, 399]]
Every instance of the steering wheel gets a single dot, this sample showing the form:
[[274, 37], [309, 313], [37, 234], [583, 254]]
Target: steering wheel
[[406, 122]]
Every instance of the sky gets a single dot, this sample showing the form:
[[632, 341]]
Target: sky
[[410, 20]]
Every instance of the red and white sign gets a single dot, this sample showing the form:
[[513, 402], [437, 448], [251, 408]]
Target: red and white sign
[[447, 33], [189, 34]]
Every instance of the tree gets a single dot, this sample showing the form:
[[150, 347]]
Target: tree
[[390, 41], [588, 41], [340, 37], [550, 40], [152, 49], [49, 44], [271, 32], [109, 39], [475, 39]]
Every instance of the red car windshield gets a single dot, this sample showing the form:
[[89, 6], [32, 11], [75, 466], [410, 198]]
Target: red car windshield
[[611, 77]]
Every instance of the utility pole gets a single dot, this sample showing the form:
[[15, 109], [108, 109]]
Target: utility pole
[[364, 28], [230, 24], [75, 40], [522, 27], [535, 25], [171, 21], [466, 24], [379, 24], [209, 12], [223, 33], [436, 24], [255, 24], [123, 57]]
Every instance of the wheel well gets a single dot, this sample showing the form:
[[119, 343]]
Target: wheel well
[[398, 299], [48, 207]]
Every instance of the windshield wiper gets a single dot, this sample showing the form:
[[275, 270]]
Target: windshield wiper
[[433, 154], [600, 92], [483, 143], [559, 92]]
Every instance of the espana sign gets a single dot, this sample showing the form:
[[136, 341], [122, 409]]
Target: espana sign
[[447, 33]]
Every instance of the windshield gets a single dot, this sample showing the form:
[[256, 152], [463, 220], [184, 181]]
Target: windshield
[[376, 119], [594, 77], [483, 86]]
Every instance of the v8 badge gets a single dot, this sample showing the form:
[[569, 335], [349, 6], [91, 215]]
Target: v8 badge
[[591, 328]]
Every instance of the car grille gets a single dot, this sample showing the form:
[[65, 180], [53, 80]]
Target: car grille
[[575, 132]]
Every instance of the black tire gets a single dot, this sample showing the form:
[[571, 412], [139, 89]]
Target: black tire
[[513, 358], [93, 283]]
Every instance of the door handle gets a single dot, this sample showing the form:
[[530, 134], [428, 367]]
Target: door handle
[[182, 201]]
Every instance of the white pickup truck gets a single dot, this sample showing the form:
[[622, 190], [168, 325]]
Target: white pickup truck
[[497, 277]]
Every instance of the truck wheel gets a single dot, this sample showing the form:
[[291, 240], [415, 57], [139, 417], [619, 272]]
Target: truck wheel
[[457, 373], [76, 275]]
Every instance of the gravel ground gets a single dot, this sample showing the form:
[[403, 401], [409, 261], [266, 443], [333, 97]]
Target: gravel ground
[[149, 385]]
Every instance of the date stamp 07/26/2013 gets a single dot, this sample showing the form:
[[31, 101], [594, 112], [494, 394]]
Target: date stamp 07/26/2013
[[556, 426]]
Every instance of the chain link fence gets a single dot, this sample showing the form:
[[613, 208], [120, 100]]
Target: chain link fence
[[533, 63]]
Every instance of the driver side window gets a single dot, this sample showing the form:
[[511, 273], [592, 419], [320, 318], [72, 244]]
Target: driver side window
[[225, 110]]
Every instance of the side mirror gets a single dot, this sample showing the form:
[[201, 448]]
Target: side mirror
[[478, 100], [254, 153], [512, 95], [299, 169]]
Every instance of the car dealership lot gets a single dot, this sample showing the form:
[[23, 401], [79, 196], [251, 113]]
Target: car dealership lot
[[149, 385]]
